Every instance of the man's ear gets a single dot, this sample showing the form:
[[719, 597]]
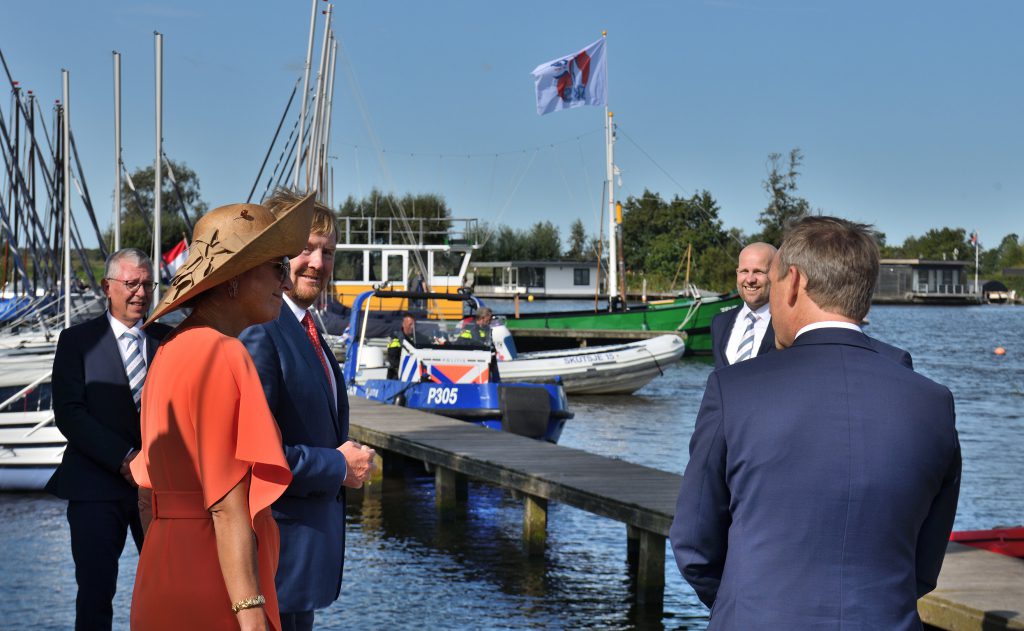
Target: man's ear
[[795, 282]]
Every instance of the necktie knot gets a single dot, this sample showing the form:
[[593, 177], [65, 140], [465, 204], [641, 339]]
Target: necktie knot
[[752, 317]]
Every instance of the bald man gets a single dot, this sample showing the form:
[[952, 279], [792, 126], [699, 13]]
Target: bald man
[[746, 332]]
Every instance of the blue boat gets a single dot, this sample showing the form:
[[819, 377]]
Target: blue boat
[[443, 374]]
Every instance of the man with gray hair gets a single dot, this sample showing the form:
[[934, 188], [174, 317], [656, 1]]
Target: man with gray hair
[[98, 372], [823, 480]]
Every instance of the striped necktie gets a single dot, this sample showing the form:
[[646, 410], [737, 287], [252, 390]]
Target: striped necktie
[[746, 346], [134, 366]]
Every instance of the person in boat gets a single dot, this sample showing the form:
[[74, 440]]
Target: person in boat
[[98, 371], [212, 462], [746, 332], [306, 393], [478, 332], [408, 333], [823, 479]]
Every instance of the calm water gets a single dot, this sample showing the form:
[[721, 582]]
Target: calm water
[[404, 569]]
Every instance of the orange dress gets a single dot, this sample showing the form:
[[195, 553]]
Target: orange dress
[[205, 425]]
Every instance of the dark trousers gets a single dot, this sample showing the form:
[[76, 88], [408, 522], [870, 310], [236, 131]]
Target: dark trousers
[[297, 621], [98, 533]]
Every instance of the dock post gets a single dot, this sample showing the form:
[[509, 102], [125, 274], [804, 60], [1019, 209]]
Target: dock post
[[535, 524], [632, 549], [650, 575], [445, 492]]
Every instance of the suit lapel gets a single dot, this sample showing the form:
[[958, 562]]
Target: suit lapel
[[300, 341], [112, 354]]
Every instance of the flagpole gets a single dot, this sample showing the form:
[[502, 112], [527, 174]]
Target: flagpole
[[609, 150], [976, 289], [158, 170]]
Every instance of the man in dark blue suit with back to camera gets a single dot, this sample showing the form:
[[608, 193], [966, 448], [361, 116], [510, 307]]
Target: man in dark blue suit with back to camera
[[823, 480], [98, 372], [306, 393]]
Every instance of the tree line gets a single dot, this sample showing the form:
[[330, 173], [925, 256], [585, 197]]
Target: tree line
[[658, 231]]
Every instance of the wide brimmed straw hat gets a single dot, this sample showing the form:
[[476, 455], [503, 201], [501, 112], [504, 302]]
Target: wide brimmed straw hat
[[230, 240]]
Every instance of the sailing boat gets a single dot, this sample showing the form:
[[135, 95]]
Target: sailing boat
[[572, 81]]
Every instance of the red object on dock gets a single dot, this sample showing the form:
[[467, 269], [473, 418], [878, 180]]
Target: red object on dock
[[1008, 541]]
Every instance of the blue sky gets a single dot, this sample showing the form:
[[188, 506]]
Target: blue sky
[[910, 115]]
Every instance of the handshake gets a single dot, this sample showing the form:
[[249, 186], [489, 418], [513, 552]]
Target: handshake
[[360, 461]]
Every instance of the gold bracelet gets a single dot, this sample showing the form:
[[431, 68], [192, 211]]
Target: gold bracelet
[[254, 601]]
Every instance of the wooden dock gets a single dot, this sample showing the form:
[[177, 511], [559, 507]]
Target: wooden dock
[[977, 589]]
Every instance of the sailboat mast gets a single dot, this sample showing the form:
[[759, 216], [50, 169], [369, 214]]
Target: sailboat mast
[[305, 94], [66, 141], [157, 165], [316, 127], [609, 150], [117, 151]]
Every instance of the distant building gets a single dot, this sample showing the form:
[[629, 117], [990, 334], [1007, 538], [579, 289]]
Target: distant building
[[924, 281], [551, 279]]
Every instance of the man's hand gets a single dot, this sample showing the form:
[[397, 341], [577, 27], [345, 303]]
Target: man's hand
[[360, 463], [126, 470]]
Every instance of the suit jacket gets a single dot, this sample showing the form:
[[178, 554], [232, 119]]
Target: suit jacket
[[820, 491], [311, 513], [721, 327], [94, 409]]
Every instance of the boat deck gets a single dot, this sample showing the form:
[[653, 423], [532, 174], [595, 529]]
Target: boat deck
[[977, 589]]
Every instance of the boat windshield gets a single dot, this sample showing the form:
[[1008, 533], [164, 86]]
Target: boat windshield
[[463, 333]]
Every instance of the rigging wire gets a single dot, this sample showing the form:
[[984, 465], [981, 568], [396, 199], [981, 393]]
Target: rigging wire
[[708, 215]]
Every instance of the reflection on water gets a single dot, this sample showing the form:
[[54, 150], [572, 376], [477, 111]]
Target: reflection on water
[[406, 568]]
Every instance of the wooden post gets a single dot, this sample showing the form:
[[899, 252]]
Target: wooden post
[[650, 576], [632, 549], [515, 304], [535, 525], [445, 492]]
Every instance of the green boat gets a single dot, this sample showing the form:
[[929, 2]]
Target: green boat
[[574, 328]]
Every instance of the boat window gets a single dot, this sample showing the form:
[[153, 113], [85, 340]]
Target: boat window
[[348, 266], [447, 263], [394, 268], [376, 261]]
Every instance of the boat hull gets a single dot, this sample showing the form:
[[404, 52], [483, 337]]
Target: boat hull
[[1008, 541], [683, 314], [616, 369], [491, 405]]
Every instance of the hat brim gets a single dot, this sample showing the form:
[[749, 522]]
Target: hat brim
[[286, 236]]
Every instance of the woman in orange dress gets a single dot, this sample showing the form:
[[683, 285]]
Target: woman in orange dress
[[211, 451]]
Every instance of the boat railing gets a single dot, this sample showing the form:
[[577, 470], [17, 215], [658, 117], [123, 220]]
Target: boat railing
[[414, 230], [27, 389]]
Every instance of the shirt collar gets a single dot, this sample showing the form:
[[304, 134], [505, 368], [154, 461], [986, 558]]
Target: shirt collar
[[296, 310], [119, 328], [764, 311], [828, 324]]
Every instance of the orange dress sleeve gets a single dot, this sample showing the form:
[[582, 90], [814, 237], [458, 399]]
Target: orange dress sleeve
[[235, 430]]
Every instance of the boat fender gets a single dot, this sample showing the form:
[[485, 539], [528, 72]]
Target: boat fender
[[524, 410]]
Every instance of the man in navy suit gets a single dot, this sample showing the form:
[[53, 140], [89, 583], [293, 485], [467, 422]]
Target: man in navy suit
[[306, 393], [98, 372], [746, 332], [823, 479]]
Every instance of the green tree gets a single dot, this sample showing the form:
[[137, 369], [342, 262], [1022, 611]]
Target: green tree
[[577, 242], [783, 205], [939, 243], [377, 217], [656, 234], [542, 242], [137, 208]]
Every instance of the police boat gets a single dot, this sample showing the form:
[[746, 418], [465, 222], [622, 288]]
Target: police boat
[[433, 365]]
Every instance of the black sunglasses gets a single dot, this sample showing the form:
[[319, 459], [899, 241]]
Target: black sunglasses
[[284, 267]]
